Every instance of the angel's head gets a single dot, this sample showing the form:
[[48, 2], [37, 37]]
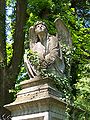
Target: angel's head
[[38, 32], [40, 28]]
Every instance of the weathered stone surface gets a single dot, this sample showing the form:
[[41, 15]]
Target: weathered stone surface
[[48, 48], [37, 97], [38, 80]]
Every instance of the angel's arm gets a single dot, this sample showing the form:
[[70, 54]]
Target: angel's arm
[[53, 47], [32, 37]]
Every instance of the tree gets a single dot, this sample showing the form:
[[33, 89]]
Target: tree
[[9, 72], [82, 10], [47, 11]]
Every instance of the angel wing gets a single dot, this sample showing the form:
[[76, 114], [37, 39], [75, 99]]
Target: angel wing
[[32, 36], [63, 33]]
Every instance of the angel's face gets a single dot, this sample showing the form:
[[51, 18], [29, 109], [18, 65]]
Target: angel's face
[[40, 28]]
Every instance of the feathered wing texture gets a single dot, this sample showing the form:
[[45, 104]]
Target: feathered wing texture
[[32, 36], [63, 33], [64, 38]]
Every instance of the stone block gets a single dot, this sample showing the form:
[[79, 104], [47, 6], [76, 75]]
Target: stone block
[[39, 99]]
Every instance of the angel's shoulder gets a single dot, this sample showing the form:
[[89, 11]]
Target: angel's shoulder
[[53, 38]]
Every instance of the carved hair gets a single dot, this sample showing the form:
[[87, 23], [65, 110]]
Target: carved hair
[[40, 22]]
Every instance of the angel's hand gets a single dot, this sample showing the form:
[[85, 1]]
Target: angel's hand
[[31, 28]]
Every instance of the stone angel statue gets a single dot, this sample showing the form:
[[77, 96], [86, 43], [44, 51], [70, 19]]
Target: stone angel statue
[[48, 48]]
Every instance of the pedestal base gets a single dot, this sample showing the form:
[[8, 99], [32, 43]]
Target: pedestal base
[[40, 116], [39, 99]]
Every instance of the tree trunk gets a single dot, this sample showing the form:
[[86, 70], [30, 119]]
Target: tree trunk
[[19, 38], [3, 59], [8, 74], [2, 52]]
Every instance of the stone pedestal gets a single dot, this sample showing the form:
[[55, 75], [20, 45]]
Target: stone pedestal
[[39, 99]]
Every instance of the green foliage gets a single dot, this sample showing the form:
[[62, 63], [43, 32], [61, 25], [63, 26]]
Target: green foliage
[[33, 57], [39, 6], [81, 51], [83, 87], [10, 3], [83, 91], [9, 51], [22, 75], [83, 11], [81, 54]]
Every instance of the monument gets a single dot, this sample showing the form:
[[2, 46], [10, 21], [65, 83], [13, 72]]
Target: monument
[[40, 99], [48, 48]]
